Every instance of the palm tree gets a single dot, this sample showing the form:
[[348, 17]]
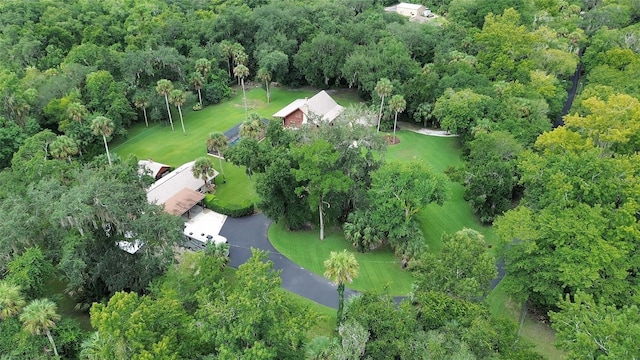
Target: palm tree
[[216, 142], [252, 128], [197, 80], [164, 88], [76, 112], [64, 147], [141, 102], [178, 98], [241, 72], [203, 168], [226, 47], [39, 317], [383, 89], [341, 268], [265, 75], [103, 126], [397, 105], [203, 66], [11, 300]]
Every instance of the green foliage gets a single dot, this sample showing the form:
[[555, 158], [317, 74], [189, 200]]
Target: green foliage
[[139, 327], [252, 320], [29, 270], [235, 209], [11, 138], [491, 177], [588, 329], [463, 269]]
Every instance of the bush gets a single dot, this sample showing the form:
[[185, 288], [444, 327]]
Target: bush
[[197, 107], [233, 210]]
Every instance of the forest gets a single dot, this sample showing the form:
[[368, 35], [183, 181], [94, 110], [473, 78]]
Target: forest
[[545, 98]]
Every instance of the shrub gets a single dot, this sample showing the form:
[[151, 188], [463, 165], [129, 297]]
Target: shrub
[[233, 210], [197, 107]]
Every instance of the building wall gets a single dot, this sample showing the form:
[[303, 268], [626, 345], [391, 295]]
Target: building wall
[[411, 12], [294, 119]]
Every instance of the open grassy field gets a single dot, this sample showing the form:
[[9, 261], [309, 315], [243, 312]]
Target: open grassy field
[[159, 143], [378, 269], [455, 214]]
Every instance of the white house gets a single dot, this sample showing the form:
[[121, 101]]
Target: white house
[[178, 191]]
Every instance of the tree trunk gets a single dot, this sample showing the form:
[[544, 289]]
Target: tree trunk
[[144, 111], [200, 95], [166, 100], [380, 113], [53, 344], [395, 122], [244, 95], [104, 138], [224, 179], [229, 65], [266, 83], [340, 303], [321, 219], [181, 120]]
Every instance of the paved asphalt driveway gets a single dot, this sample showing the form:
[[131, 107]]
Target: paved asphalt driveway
[[251, 231]]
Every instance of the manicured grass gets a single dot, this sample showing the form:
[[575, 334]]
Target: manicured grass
[[378, 269], [159, 143], [455, 214], [541, 335]]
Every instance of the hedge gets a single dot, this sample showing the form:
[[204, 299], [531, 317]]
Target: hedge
[[233, 210]]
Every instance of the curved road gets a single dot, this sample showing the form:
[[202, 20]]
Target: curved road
[[251, 231]]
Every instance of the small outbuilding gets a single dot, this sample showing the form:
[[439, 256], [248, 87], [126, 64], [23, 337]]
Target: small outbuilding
[[410, 10]]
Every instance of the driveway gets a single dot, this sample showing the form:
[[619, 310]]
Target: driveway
[[251, 231]]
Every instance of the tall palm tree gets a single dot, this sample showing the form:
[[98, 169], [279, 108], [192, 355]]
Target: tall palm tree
[[241, 72], [77, 112], [39, 317], [226, 47], [383, 89], [197, 80], [341, 268], [11, 300], [265, 75], [397, 105], [203, 66], [178, 98], [141, 102], [203, 168], [64, 147], [164, 88], [217, 141], [103, 126]]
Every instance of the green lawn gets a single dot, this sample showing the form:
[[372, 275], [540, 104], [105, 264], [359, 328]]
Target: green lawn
[[455, 214], [378, 269], [159, 143]]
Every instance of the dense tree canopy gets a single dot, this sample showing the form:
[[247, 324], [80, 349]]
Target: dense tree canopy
[[494, 72]]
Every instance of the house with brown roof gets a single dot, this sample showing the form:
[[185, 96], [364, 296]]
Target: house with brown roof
[[155, 169], [178, 191], [320, 109]]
